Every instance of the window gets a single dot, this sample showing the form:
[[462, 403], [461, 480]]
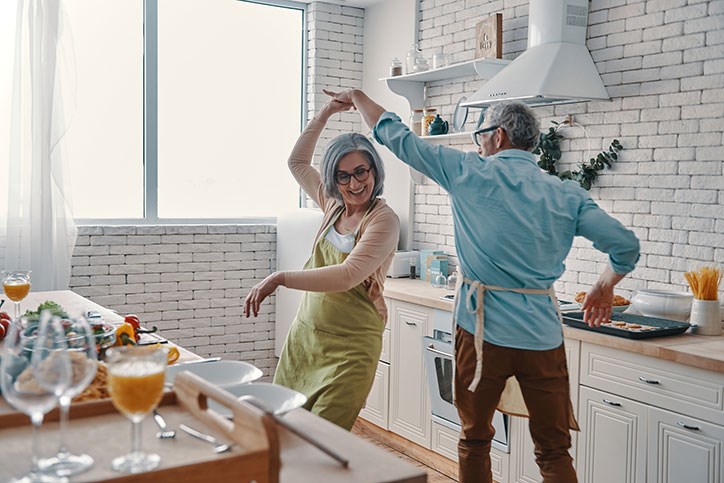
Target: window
[[216, 109]]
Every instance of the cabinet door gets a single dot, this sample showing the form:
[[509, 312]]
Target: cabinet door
[[376, 407], [409, 400], [445, 442], [683, 449], [524, 468], [612, 442]]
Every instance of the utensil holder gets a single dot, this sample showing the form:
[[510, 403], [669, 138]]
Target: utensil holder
[[706, 316]]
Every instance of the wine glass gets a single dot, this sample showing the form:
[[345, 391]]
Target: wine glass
[[135, 381], [16, 285], [33, 370], [83, 361]]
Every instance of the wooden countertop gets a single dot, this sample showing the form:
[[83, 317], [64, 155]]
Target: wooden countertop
[[704, 352]]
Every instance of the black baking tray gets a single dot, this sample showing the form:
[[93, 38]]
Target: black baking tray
[[661, 327]]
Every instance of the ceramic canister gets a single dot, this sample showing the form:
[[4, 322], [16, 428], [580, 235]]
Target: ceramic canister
[[706, 317]]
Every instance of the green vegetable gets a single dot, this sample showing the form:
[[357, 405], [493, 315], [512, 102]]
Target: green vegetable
[[53, 307]]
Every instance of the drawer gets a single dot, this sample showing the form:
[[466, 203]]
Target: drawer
[[385, 355], [445, 441], [665, 384]]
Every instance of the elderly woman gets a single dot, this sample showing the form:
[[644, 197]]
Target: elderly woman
[[333, 346]]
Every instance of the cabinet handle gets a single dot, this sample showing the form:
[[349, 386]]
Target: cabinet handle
[[686, 426], [612, 403], [411, 323], [648, 381]]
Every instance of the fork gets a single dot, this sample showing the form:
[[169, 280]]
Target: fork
[[218, 447], [165, 433]]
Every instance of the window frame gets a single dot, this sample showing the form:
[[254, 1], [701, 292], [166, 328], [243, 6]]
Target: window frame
[[150, 125]]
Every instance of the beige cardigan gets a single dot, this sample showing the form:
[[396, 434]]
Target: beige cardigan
[[375, 243]]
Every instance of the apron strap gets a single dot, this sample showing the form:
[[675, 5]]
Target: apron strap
[[479, 310]]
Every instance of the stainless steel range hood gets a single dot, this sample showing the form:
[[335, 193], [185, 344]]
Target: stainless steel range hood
[[556, 68]]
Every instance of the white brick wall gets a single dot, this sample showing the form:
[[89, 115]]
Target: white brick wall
[[663, 64], [189, 281], [334, 39]]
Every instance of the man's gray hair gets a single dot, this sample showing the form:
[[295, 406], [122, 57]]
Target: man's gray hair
[[341, 146], [519, 122]]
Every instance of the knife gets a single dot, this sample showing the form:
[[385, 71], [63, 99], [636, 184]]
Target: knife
[[199, 361]]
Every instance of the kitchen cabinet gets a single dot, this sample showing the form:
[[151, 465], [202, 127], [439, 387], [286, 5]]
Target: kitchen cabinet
[[410, 415], [612, 443], [376, 407], [444, 441], [682, 448], [660, 419]]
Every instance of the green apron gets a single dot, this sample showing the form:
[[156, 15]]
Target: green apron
[[331, 352]]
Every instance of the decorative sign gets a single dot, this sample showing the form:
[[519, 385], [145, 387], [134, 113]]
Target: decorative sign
[[489, 37]]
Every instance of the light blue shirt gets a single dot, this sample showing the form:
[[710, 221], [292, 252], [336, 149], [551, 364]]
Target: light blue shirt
[[514, 226]]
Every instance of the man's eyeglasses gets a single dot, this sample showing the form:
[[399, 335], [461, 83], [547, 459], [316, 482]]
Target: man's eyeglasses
[[360, 174], [476, 134]]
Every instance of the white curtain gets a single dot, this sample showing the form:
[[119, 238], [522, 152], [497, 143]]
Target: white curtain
[[37, 232]]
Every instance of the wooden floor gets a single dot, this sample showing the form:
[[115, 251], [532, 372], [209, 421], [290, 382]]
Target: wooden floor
[[432, 475]]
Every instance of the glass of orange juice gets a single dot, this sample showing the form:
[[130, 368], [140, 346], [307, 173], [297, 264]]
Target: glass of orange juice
[[135, 381], [16, 285]]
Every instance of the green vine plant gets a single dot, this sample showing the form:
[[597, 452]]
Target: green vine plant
[[549, 149]]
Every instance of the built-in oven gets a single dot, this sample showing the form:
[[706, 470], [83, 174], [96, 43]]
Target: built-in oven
[[438, 356]]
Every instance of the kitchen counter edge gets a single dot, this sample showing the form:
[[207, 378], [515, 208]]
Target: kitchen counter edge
[[704, 352]]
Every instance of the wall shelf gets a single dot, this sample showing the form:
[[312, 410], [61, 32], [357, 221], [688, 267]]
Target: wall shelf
[[412, 86]]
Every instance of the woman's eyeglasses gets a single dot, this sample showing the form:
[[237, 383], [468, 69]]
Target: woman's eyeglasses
[[360, 174], [476, 134]]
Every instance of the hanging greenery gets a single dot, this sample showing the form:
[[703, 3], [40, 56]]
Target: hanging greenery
[[549, 149]]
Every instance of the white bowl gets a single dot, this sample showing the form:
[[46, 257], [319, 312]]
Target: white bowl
[[277, 399], [221, 373], [666, 304]]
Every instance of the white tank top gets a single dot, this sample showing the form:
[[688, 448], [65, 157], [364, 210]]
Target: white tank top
[[343, 243]]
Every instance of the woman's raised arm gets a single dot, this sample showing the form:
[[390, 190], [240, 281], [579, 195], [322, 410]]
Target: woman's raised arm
[[300, 159]]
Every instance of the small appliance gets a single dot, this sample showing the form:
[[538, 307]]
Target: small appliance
[[400, 266]]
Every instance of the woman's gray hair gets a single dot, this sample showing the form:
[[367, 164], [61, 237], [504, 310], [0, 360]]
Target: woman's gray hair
[[341, 146], [519, 122]]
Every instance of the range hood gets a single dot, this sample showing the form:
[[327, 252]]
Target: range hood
[[556, 68]]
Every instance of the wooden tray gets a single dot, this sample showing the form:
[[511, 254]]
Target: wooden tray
[[661, 327], [97, 429]]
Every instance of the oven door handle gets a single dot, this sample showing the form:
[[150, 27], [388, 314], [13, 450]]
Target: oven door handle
[[432, 349]]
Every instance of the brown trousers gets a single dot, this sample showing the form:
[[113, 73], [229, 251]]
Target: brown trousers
[[543, 379]]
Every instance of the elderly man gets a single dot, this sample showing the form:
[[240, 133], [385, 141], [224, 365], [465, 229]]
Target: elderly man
[[514, 226]]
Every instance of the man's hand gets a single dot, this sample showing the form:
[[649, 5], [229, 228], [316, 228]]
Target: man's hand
[[597, 305], [370, 110], [344, 96]]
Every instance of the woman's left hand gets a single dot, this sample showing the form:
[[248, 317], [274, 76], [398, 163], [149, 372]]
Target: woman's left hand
[[260, 291]]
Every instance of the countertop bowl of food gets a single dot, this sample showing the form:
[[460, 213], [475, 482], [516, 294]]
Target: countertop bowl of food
[[665, 304], [620, 303], [221, 373]]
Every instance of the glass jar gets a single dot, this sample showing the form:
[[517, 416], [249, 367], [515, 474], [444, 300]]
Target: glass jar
[[395, 67], [411, 59], [439, 60], [421, 64], [428, 116], [439, 281], [416, 122], [452, 280]]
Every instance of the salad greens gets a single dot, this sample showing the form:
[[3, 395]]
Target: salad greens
[[53, 307]]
